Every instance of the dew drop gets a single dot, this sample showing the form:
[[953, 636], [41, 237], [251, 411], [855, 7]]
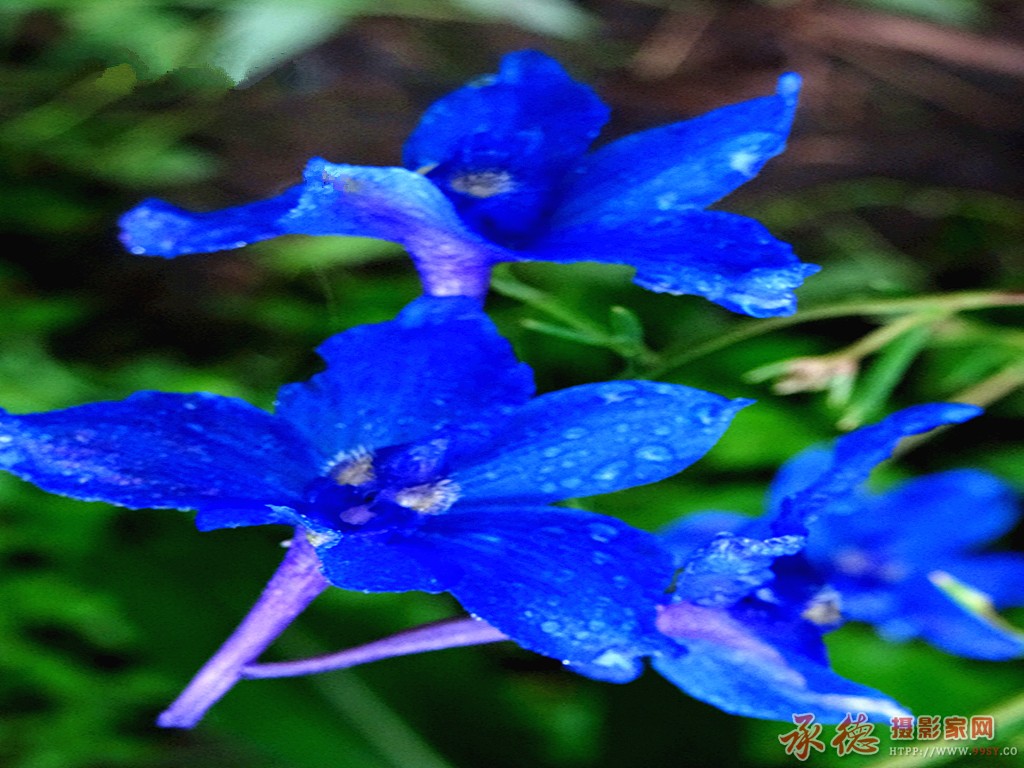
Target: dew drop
[[565, 574], [653, 453], [575, 433], [610, 472], [613, 659], [596, 626], [703, 414], [620, 581], [571, 483], [550, 627], [602, 532], [600, 558], [548, 488]]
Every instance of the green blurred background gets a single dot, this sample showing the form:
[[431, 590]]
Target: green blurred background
[[899, 180]]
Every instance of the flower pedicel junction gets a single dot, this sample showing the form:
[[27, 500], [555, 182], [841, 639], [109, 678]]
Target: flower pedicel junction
[[421, 459]]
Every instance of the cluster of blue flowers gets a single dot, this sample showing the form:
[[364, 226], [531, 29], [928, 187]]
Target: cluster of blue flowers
[[421, 458]]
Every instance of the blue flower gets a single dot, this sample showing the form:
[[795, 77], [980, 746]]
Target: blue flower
[[891, 555], [751, 604], [416, 461], [498, 171]]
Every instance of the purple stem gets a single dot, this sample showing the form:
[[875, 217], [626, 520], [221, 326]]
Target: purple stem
[[450, 633], [444, 275], [291, 589]]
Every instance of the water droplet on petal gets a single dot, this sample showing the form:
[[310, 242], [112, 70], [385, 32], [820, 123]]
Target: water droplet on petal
[[575, 433], [610, 472], [600, 558], [602, 532], [550, 627], [613, 659], [653, 453], [703, 414], [489, 538], [564, 574]]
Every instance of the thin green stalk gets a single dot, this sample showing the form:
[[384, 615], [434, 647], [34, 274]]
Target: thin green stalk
[[949, 302], [994, 388], [1009, 717]]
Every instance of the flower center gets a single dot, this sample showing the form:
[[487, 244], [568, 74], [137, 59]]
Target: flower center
[[483, 184], [395, 488]]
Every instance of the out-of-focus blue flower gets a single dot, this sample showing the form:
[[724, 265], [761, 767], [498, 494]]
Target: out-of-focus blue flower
[[416, 461], [890, 556], [498, 171], [750, 606]]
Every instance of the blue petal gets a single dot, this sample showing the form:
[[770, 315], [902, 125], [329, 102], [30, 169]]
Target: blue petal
[[386, 203], [498, 146], [998, 575], [917, 608], [440, 363], [916, 526], [728, 259], [747, 663], [569, 584], [156, 228], [401, 206], [854, 456], [156, 449], [685, 165], [798, 473], [730, 567], [688, 534], [925, 518], [389, 561], [596, 438]]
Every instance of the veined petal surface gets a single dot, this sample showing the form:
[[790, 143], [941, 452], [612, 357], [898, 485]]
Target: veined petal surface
[[690, 164], [440, 363], [596, 438], [157, 449]]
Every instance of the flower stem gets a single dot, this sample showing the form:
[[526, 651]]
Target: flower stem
[[948, 303], [291, 589], [450, 633]]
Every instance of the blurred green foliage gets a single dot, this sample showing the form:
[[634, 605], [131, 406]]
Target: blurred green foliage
[[107, 613]]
